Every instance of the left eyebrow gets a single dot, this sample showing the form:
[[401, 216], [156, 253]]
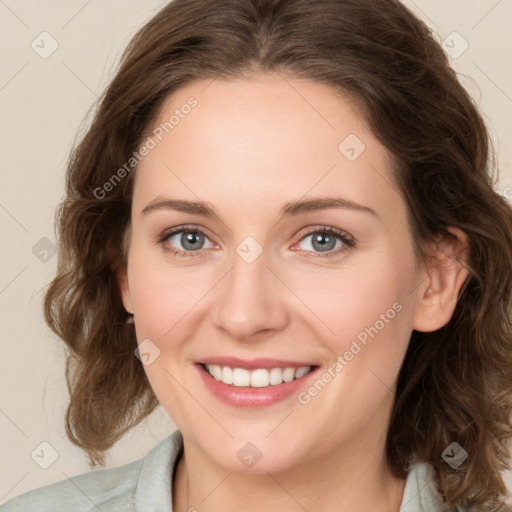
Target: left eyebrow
[[294, 208]]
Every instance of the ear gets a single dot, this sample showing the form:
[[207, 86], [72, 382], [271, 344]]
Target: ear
[[444, 275], [124, 288], [121, 272]]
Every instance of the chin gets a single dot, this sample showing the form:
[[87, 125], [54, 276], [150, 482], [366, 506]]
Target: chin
[[253, 454]]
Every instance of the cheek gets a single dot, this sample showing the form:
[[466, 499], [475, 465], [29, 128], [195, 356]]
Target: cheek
[[368, 294], [370, 311], [164, 295], [166, 300]]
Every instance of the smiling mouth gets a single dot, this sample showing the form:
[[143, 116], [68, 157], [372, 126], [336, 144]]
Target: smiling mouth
[[259, 378]]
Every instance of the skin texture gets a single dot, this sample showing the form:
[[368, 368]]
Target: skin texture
[[247, 148]]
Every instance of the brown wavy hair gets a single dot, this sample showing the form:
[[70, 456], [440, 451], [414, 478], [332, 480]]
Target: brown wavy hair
[[455, 383]]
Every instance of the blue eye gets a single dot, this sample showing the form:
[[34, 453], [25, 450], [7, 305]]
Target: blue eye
[[190, 241], [327, 240]]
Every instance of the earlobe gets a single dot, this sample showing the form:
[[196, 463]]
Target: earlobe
[[445, 274], [124, 289]]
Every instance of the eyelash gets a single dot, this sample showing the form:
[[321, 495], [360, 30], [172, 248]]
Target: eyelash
[[348, 241]]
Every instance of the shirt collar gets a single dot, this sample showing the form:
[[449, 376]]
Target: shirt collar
[[153, 493]]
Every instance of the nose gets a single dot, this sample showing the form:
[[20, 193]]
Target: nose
[[250, 302]]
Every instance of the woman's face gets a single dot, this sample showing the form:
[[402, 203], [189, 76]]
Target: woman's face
[[254, 167]]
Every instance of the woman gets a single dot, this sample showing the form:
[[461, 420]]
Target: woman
[[292, 202]]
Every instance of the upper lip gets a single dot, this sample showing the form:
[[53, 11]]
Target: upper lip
[[253, 364]]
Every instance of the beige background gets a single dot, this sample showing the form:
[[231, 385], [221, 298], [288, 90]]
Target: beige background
[[42, 102]]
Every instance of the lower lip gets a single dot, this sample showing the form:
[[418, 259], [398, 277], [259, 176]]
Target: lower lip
[[247, 396]]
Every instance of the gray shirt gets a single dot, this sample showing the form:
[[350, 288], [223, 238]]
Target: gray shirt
[[144, 486]]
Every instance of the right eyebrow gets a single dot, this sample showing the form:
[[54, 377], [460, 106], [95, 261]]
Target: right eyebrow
[[192, 207]]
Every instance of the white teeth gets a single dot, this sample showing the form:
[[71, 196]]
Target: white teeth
[[288, 374], [241, 377], [217, 372], [276, 376], [226, 375], [260, 378], [300, 372]]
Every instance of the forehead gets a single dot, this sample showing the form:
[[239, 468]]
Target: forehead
[[264, 140]]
